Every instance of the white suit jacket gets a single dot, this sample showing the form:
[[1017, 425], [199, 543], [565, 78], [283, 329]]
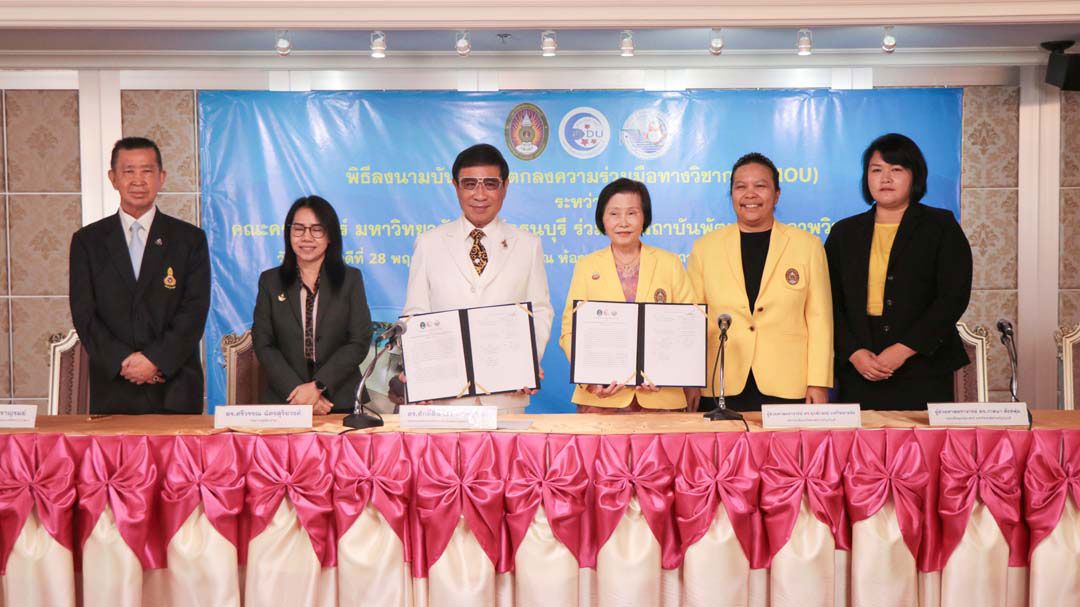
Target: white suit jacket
[[441, 277]]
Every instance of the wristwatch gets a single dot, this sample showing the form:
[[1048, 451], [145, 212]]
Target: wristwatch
[[321, 387]]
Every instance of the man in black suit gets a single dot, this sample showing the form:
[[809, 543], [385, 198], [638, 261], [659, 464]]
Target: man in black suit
[[140, 292]]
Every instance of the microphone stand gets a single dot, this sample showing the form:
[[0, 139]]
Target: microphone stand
[[1010, 348], [362, 417], [721, 412]]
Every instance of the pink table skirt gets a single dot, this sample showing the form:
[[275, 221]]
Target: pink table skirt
[[878, 517]]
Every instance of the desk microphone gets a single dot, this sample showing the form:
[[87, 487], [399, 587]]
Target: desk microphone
[[721, 412]]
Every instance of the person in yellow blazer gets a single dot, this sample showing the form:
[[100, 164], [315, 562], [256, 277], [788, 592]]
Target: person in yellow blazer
[[625, 270], [773, 280]]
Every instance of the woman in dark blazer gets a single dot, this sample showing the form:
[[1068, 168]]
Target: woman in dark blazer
[[312, 327], [901, 279]]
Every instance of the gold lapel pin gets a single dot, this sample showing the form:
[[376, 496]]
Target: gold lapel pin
[[159, 242], [281, 297], [170, 280]]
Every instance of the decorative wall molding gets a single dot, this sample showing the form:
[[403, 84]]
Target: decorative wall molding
[[449, 14]]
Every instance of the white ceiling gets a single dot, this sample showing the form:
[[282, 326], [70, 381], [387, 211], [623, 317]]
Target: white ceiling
[[647, 41]]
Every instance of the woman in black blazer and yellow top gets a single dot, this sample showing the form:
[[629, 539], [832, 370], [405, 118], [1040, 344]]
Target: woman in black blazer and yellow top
[[312, 327], [625, 270], [901, 279]]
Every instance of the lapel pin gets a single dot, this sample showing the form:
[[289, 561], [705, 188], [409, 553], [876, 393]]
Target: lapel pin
[[596, 275], [159, 242], [660, 296], [503, 243], [170, 280], [281, 297]]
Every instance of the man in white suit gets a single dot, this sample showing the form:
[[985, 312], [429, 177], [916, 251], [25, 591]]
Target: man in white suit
[[480, 260]]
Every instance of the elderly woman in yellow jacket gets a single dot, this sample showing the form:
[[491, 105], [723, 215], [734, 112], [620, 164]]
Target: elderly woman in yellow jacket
[[625, 270], [773, 280]]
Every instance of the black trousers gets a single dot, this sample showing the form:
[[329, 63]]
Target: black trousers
[[750, 399], [899, 392]]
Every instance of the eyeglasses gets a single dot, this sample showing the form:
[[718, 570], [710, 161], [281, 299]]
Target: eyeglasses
[[491, 184], [318, 231]]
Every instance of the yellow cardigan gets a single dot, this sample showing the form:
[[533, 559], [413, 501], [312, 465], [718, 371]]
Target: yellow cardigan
[[788, 338], [595, 279]]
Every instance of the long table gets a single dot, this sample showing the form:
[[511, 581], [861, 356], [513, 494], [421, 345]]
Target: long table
[[647, 509]]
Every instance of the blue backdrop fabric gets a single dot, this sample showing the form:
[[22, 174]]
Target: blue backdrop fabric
[[383, 160]]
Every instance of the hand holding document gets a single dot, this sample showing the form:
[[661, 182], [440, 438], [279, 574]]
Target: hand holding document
[[470, 352], [632, 344]]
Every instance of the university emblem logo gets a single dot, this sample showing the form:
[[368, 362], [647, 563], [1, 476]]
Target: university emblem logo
[[526, 131], [647, 134], [584, 132]]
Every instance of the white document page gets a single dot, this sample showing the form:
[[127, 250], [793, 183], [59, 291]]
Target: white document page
[[674, 343], [502, 348], [605, 343], [434, 356]]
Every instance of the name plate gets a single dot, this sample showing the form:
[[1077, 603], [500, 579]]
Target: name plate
[[978, 414], [18, 416], [262, 416], [448, 417], [811, 416]]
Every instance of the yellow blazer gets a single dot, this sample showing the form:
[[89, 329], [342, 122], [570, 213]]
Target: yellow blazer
[[595, 279], [788, 338]]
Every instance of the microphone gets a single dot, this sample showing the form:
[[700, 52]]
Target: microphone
[[1005, 327], [724, 322], [395, 331], [1008, 340]]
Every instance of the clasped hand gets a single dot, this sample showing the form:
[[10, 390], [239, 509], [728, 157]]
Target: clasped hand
[[139, 370], [876, 367], [309, 394]]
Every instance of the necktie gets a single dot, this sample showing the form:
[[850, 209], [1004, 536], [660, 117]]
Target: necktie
[[135, 247], [478, 254]]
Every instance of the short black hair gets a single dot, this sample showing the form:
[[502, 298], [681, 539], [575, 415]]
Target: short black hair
[[623, 185], [334, 262], [755, 158], [481, 154], [134, 143], [896, 149]]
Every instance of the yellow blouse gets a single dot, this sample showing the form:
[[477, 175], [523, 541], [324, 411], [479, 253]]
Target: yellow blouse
[[880, 247]]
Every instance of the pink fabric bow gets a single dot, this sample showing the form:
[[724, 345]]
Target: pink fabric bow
[[118, 471], [978, 465], [559, 486], [208, 471], [789, 474], [886, 464], [456, 477], [295, 466], [372, 469], [1053, 475], [636, 465], [701, 484], [36, 471]]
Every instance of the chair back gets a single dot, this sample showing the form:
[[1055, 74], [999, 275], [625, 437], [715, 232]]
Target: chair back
[[244, 376], [1069, 343], [969, 382], [69, 379]]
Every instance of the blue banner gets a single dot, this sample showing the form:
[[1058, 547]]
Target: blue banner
[[383, 160]]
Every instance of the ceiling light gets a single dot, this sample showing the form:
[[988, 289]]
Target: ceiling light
[[548, 43], [626, 43], [888, 41], [378, 45], [804, 41], [462, 44], [283, 43], [716, 41]]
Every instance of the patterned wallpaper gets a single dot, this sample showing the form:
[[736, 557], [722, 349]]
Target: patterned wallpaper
[[1069, 276], [42, 207], [988, 209], [42, 171]]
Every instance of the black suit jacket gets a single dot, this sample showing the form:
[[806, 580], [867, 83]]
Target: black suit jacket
[[342, 336], [162, 317], [927, 288]]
